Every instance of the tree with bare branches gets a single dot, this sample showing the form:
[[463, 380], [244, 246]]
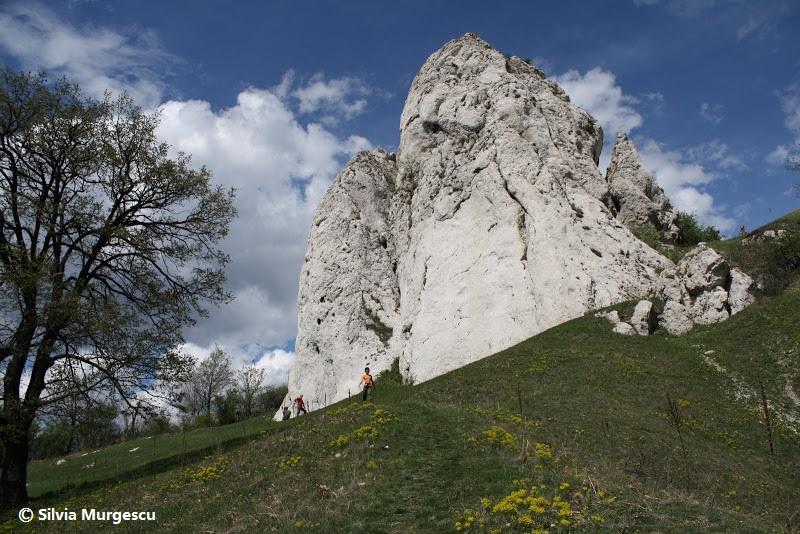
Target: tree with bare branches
[[209, 378], [250, 380], [108, 248]]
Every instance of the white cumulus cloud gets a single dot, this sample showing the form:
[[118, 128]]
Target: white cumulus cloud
[[597, 92], [682, 181], [344, 97], [99, 59], [281, 169], [272, 144]]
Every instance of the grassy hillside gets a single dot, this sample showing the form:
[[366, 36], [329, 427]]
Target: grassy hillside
[[576, 429]]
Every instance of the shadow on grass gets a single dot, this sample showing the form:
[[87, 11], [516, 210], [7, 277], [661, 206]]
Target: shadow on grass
[[162, 464]]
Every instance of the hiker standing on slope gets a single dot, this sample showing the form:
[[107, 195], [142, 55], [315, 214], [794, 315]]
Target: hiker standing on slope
[[300, 405], [368, 383]]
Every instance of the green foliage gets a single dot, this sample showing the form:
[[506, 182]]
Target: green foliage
[[228, 407], [271, 398], [112, 249], [773, 262], [92, 425], [693, 232], [648, 234], [391, 374]]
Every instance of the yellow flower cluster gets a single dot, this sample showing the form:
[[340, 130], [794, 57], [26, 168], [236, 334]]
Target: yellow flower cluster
[[501, 416], [291, 461], [536, 508], [469, 518], [372, 464], [543, 451], [496, 435], [365, 431], [207, 473], [381, 416], [341, 441]]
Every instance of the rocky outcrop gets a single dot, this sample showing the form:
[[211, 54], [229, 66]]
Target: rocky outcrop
[[644, 319], [349, 298], [489, 228], [765, 235], [703, 289], [634, 195]]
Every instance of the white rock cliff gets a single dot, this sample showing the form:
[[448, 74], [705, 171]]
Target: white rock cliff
[[488, 227]]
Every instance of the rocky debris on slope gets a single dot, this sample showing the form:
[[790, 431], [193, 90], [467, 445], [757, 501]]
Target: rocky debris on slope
[[766, 235], [701, 289], [489, 228], [619, 326], [634, 195], [643, 321]]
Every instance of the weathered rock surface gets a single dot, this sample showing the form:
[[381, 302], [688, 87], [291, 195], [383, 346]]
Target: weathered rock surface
[[348, 300], [624, 328], [765, 235], [644, 319], [489, 228], [703, 289], [635, 196]]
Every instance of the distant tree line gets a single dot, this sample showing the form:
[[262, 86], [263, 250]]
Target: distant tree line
[[210, 393]]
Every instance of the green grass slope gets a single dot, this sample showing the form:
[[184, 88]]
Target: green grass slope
[[576, 429]]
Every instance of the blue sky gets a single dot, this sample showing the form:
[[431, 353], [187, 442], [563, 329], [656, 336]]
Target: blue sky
[[275, 96]]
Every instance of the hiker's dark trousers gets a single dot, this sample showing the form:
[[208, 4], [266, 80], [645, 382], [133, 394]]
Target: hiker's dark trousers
[[367, 392]]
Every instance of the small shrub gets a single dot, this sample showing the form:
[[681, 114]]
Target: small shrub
[[693, 232], [392, 374], [648, 234]]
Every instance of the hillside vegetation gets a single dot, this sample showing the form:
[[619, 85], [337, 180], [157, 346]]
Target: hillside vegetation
[[576, 429]]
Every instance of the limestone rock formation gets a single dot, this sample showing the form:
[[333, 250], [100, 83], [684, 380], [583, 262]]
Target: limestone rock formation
[[644, 319], [703, 289], [635, 196], [348, 300], [488, 228]]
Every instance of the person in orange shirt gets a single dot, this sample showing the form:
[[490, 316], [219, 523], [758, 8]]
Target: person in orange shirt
[[368, 383]]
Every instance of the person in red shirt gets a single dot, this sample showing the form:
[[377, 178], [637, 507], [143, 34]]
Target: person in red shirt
[[300, 405]]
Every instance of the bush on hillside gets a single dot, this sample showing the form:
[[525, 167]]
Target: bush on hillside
[[271, 398], [228, 407], [648, 234], [392, 374], [693, 232]]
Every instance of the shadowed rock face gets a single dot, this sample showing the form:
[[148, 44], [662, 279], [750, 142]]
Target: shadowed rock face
[[487, 228], [635, 196]]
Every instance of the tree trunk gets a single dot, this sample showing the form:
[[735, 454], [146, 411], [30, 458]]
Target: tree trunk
[[14, 476]]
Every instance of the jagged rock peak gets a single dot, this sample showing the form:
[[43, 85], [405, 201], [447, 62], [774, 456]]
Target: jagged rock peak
[[635, 196], [487, 228]]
